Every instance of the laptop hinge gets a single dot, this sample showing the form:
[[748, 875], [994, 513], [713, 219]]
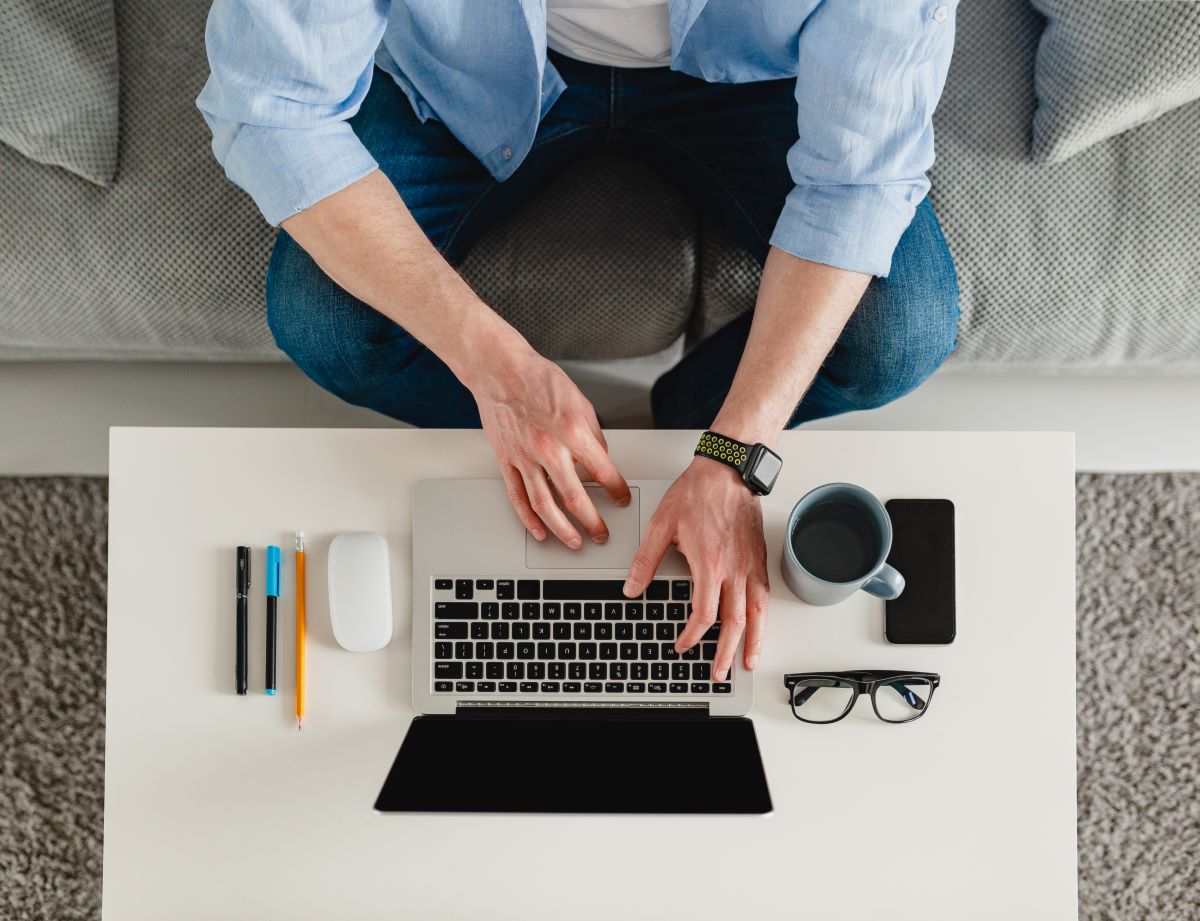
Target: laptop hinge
[[587, 710]]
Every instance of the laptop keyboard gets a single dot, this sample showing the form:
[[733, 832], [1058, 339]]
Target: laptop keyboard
[[567, 636]]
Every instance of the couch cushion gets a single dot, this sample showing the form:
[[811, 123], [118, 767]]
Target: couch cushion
[[58, 84]]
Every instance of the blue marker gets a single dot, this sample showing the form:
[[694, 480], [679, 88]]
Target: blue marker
[[272, 602]]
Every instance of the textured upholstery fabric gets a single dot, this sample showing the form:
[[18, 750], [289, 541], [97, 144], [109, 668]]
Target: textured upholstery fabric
[[1083, 266], [58, 84], [1105, 67]]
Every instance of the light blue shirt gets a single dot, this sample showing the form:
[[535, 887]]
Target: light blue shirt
[[287, 75]]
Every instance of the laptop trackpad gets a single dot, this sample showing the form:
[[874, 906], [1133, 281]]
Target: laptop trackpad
[[624, 535]]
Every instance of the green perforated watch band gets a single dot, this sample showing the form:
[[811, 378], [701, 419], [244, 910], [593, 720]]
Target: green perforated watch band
[[726, 450]]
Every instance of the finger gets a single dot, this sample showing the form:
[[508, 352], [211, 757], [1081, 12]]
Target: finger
[[647, 558], [706, 591], [600, 467], [545, 506], [575, 499], [519, 498], [758, 594], [733, 622]]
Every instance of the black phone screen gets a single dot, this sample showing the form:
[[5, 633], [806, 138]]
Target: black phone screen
[[923, 552]]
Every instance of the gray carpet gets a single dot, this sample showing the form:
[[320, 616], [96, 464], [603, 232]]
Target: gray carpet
[[1139, 680]]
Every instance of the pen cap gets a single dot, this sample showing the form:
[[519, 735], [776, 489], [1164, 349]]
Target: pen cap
[[273, 571], [243, 569]]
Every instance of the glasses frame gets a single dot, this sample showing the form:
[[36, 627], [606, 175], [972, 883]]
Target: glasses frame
[[863, 681]]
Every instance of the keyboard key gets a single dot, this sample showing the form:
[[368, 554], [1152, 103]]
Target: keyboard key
[[712, 634], [489, 610], [644, 632], [699, 687], [656, 687], [665, 632], [528, 589], [681, 590], [571, 687], [676, 611], [608, 651], [629, 651], [545, 650], [623, 631], [614, 687], [659, 671], [701, 671], [535, 671], [677, 688], [588, 651], [444, 670], [529, 687], [485, 585], [613, 611], [485, 650], [552, 610], [566, 651], [442, 687], [463, 590], [531, 610], [443, 585], [583, 590], [500, 631], [494, 669], [447, 631], [592, 611], [464, 649], [667, 651], [618, 671], [572, 610], [556, 671], [708, 651], [505, 650], [583, 631], [525, 650], [598, 671], [604, 631], [576, 671], [655, 611], [485, 687], [680, 671], [549, 687], [692, 653], [658, 590], [633, 610], [504, 589], [649, 651], [507, 687], [520, 631], [639, 671], [562, 631], [514, 671], [474, 670], [455, 610], [510, 610], [636, 687], [722, 687], [443, 650], [464, 687], [480, 631], [592, 687], [541, 631]]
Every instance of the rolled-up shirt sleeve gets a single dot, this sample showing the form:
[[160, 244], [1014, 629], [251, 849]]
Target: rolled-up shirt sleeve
[[869, 77], [284, 79]]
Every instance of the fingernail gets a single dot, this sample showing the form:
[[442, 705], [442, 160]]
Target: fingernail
[[624, 501], [724, 675], [631, 587], [752, 662], [574, 543], [539, 535], [601, 539]]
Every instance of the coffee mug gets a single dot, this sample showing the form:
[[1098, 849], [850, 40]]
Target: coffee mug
[[837, 539]]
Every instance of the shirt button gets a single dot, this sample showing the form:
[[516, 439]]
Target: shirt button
[[506, 153], [940, 14]]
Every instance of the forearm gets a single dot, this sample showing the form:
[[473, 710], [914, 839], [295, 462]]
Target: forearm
[[801, 309], [364, 238]]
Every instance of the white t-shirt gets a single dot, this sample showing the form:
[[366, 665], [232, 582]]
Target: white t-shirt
[[615, 33]]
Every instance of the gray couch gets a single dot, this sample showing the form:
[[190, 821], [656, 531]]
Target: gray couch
[[1085, 266]]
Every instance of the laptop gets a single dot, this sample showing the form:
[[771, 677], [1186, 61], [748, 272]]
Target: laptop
[[542, 688]]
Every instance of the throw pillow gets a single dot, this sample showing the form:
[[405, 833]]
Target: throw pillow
[[1105, 66], [58, 84]]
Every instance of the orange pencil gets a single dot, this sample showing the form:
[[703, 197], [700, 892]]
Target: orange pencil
[[300, 652]]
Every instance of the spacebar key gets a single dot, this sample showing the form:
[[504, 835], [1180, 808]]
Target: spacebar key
[[456, 610], [583, 590]]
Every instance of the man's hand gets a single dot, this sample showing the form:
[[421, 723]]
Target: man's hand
[[716, 522], [540, 427]]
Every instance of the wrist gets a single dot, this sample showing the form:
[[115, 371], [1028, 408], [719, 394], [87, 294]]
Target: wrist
[[493, 356], [749, 427]]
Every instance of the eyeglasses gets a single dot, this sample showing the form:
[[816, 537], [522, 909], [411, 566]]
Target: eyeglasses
[[826, 697]]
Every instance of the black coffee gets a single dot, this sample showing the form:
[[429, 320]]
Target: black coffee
[[836, 541]]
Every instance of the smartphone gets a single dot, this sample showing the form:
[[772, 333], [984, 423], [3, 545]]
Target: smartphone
[[923, 552]]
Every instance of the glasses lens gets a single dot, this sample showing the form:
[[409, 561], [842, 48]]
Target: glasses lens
[[903, 699], [821, 700]]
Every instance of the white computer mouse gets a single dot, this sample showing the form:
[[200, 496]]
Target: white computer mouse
[[360, 591]]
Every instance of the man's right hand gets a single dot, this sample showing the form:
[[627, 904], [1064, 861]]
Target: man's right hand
[[540, 427]]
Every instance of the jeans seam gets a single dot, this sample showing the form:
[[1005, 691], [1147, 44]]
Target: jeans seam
[[711, 172]]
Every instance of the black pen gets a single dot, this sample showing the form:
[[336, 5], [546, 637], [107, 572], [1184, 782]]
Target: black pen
[[243, 599], [272, 604]]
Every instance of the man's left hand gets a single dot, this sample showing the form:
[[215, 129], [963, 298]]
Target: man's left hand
[[716, 522]]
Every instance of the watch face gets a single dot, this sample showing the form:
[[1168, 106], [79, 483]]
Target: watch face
[[765, 470]]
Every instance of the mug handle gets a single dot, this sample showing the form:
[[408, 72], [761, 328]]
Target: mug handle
[[886, 584]]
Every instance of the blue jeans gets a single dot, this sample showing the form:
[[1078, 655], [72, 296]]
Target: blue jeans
[[725, 145]]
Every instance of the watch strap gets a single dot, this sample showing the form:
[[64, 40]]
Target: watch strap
[[727, 450]]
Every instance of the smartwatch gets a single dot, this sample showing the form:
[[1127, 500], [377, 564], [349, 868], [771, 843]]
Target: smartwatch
[[758, 464]]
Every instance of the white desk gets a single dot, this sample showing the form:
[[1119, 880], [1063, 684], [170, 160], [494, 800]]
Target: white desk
[[216, 807]]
